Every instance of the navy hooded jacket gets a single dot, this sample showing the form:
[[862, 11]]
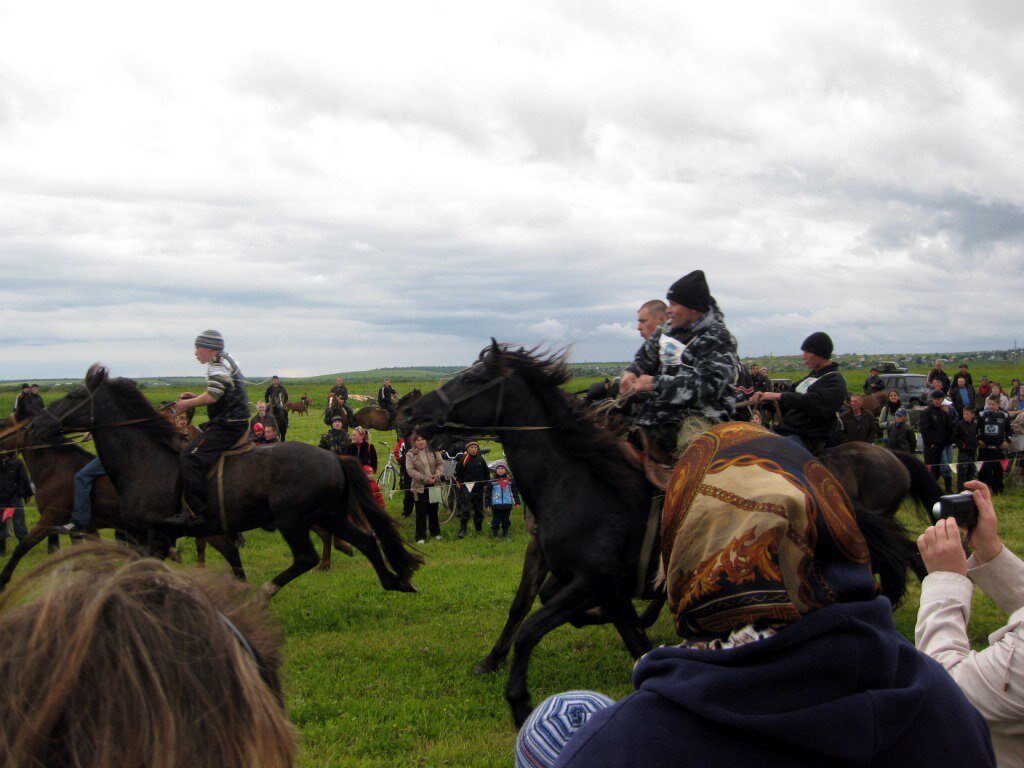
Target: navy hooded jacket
[[839, 687]]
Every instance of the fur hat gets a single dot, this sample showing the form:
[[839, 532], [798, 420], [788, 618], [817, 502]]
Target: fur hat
[[818, 343], [691, 291]]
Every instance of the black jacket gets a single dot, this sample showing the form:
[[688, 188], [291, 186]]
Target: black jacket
[[273, 391], [965, 435], [901, 437], [386, 396], [28, 405], [812, 414], [862, 430], [958, 403], [873, 384], [365, 453], [15, 485], [994, 428], [472, 469], [941, 376], [340, 391], [936, 427]]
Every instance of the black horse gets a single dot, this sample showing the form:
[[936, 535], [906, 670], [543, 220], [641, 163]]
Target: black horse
[[591, 507], [278, 408], [289, 486]]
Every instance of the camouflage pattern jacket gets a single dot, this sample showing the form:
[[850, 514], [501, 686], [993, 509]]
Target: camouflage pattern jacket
[[335, 441], [694, 371]]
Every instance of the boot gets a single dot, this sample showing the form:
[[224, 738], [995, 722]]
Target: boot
[[462, 529]]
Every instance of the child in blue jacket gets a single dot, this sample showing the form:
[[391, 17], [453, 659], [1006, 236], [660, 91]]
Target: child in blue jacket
[[500, 497]]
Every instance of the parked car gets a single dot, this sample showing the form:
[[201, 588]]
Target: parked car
[[913, 387], [779, 385], [888, 366]]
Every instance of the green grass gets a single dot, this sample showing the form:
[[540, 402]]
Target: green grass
[[379, 678]]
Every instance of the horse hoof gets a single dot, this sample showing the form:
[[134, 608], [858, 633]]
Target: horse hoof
[[405, 586], [520, 712], [324, 567], [485, 667]]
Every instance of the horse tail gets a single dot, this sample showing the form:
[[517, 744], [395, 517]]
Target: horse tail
[[923, 486], [359, 494], [892, 551]]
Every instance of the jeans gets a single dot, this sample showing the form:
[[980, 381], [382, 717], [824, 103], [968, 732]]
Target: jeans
[[84, 479]]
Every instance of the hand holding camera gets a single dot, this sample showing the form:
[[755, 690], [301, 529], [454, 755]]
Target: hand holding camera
[[941, 546]]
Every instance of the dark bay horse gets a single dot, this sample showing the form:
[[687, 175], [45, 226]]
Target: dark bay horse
[[279, 410], [375, 417], [52, 465], [289, 486], [591, 506]]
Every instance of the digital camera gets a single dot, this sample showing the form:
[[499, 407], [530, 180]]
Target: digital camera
[[959, 506]]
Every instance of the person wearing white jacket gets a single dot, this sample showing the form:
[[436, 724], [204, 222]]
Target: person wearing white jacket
[[992, 679]]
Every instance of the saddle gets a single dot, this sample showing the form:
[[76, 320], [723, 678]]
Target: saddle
[[656, 466]]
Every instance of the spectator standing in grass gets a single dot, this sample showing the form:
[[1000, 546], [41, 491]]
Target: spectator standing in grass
[[993, 678], [1014, 388], [262, 417], [15, 491], [888, 412], [965, 437], [961, 394], [936, 427], [997, 390], [900, 434], [994, 436], [966, 374], [873, 383], [859, 426], [362, 448], [502, 496], [472, 474], [336, 439], [405, 482], [425, 468], [984, 390], [938, 377]]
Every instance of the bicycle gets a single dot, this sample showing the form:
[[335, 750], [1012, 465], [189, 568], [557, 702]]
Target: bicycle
[[448, 504], [390, 478]]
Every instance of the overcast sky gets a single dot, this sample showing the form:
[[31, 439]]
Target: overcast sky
[[341, 186]]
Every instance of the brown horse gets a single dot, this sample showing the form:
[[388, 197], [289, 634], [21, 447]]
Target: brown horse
[[373, 417], [52, 465], [874, 402], [301, 407], [335, 407]]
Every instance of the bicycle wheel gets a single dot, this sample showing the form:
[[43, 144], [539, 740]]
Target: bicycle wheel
[[448, 506], [388, 480]]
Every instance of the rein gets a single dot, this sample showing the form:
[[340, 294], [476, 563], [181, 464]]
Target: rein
[[495, 428]]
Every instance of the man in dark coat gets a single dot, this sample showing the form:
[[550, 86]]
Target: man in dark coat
[[936, 427], [939, 377], [340, 392], [276, 394], [760, 379], [966, 374], [689, 365], [965, 438], [859, 426], [873, 383], [472, 474], [810, 406], [227, 406], [15, 491], [336, 440], [29, 403]]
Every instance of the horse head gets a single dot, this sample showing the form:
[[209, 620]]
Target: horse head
[[76, 411], [492, 393]]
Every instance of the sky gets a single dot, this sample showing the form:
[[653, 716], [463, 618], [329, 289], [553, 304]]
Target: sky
[[342, 186]]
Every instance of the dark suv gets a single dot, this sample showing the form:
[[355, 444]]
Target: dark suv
[[912, 387], [888, 366]]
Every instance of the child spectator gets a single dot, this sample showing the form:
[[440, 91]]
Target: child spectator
[[472, 474], [501, 497], [965, 437], [374, 486], [994, 433], [899, 434], [992, 679]]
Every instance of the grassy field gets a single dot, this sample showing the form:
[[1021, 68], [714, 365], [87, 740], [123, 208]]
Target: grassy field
[[385, 679]]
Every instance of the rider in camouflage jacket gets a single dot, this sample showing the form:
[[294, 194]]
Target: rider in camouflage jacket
[[336, 439], [694, 367]]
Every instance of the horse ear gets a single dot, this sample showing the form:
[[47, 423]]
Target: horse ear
[[96, 375]]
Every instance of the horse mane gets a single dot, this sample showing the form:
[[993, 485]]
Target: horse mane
[[136, 405], [574, 425], [410, 395], [58, 442]]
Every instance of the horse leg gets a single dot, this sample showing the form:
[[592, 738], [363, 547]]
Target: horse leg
[[627, 623], [343, 546], [574, 598], [37, 534], [304, 558], [534, 571], [325, 537], [228, 550], [52, 543], [201, 552]]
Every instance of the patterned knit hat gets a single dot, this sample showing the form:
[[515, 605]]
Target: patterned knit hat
[[210, 340], [550, 726]]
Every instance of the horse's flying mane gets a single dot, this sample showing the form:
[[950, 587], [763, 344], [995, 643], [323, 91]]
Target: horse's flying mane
[[136, 405], [574, 426]]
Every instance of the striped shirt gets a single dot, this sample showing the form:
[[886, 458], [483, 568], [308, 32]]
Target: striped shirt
[[220, 375]]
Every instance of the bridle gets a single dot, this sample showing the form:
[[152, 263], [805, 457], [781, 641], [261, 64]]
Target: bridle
[[496, 427], [93, 426]]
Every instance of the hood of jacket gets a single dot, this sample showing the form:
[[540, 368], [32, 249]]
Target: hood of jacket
[[843, 670]]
